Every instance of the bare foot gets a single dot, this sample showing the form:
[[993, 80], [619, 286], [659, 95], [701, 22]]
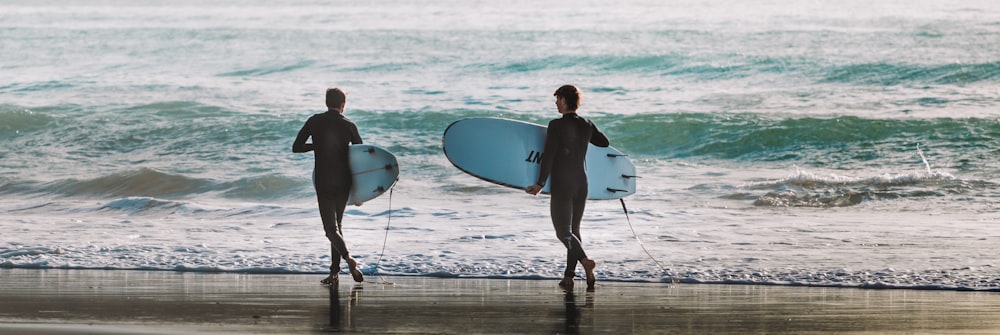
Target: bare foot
[[589, 265], [353, 265], [332, 279], [566, 283]]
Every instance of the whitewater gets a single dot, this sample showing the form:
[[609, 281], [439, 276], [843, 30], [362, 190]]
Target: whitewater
[[841, 144]]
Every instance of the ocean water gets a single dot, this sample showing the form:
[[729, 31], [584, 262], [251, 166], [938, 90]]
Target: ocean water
[[827, 143]]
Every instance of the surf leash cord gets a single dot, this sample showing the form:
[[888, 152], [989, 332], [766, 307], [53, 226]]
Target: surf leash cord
[[385, 241], [643, 246]]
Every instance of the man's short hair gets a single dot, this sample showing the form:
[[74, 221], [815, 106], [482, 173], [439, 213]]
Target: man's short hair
[[571, 94], [335, 98]]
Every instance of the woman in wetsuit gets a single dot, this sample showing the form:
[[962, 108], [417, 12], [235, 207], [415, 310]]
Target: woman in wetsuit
[[332, 134], [563, 159]]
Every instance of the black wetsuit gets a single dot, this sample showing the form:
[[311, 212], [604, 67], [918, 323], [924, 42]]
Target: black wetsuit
[[564, 158], [332, 134]]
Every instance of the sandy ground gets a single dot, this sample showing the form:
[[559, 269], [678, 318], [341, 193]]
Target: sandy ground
[[157, 302]]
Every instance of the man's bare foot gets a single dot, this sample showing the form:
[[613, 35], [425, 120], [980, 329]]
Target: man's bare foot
[[332, 279], [353, 265], [566, 283], [589, 265]]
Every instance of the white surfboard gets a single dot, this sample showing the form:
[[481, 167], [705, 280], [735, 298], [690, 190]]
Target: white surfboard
[[374, 171], [508, 152]]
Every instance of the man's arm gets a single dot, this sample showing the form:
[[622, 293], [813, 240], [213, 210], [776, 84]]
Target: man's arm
[[355, 136], [548, 157], [300, 144]]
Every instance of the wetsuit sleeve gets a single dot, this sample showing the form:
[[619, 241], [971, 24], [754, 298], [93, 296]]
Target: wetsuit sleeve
[[300, 141], [598, 138], [548, 153], [355, 137]]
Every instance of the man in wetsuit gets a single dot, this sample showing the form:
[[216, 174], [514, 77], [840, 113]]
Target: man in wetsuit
[[332, 134], [564, 159]]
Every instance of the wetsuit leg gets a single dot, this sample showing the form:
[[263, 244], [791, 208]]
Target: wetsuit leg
[[331, 209], [579, 203], [567, 211]]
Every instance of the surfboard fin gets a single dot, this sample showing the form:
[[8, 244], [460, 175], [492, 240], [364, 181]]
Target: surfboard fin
[[615, 190], [616, 155]]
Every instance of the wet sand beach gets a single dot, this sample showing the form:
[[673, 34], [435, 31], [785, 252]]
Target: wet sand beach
[[162, 302]]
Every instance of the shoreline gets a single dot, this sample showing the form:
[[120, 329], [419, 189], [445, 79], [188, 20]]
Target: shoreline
[[663, 281], [163, 302]]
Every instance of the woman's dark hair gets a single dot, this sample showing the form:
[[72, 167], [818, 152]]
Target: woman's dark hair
[[571, 94]]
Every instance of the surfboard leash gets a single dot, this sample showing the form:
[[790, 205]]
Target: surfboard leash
[[664, 270], [385, 241]]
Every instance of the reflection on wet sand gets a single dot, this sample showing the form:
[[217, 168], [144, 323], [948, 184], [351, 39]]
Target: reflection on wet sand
[[575, 311], [78, 301]]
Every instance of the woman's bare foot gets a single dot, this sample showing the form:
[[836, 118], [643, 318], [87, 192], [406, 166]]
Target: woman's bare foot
[[589, 265], [332, 279], [353, 265], [566, 283]]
